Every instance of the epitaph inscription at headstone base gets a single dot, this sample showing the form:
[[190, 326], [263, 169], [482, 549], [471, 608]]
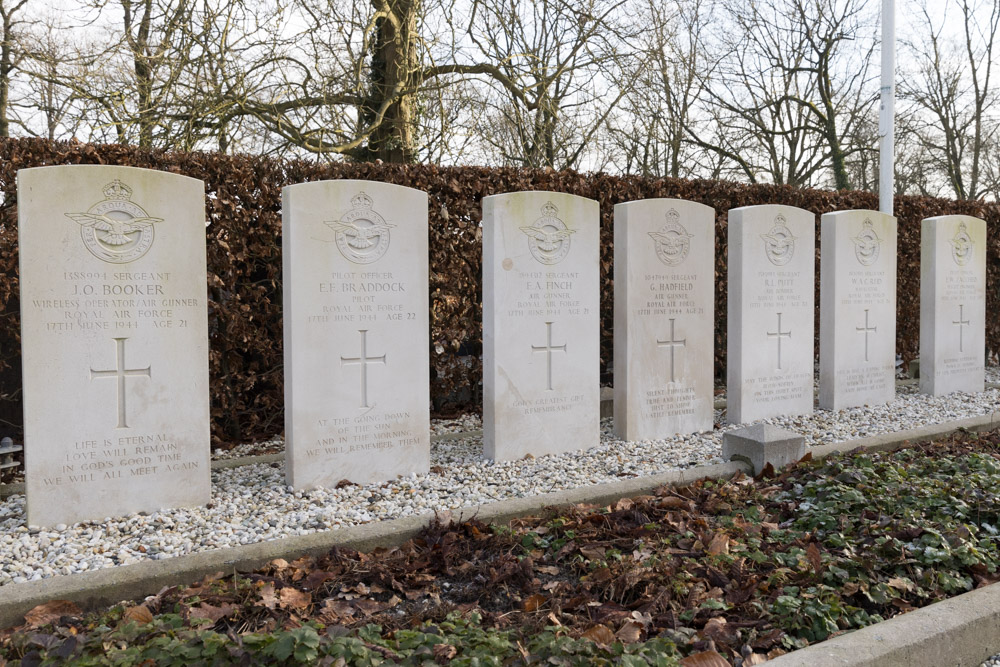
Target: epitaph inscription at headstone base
[[857, 342], [357, 393], [114, 336], [770, 312], [541, 354], [952, 304], [664, 322]]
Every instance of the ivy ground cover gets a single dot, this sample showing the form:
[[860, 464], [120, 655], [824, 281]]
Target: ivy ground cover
[[725, 572]]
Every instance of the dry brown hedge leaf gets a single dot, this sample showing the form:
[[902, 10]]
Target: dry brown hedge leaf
[[243, 208], [600, 634], [139, 614], [49, 612], [705, 659]]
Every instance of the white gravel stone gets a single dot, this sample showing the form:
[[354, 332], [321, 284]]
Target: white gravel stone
[[252, 503]]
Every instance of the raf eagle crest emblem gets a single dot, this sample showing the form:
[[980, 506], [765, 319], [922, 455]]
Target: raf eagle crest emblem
[[362, 234], [116, 230], [672, 241], [779, 244], [548, 237], [867, 244], [961, 245]]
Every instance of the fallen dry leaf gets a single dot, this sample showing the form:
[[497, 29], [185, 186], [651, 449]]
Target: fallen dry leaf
[[444, 652], [534, 602], [268, 597], [292, 598], [812, 552], [139, 614], [719, 544], [49, 612], [901, 584], [629, 633], [705, 659], [673, 502], [600, 634], [212, 613]]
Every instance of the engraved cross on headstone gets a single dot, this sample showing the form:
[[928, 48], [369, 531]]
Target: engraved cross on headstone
[[548, 348], [961, 326], [672, 343], [363, 361], [779, 334], [121, 373], [865, 329]]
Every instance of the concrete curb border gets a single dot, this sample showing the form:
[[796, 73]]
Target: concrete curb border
[[962, 631], [129, 582]]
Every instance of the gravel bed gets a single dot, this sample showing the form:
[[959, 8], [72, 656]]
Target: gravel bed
[[461, 424], [992, 661], [252, 504]]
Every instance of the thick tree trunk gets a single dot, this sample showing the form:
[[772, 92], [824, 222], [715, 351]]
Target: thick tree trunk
[[392, 78]]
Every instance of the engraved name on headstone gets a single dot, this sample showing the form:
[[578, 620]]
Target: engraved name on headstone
[[952, 304], [857, 344], [664, 318], [770, 312], [541, 355], [356, 332], [114, 320]]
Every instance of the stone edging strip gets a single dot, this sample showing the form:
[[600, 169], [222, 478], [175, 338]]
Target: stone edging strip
[[129, 582], [962, 631]]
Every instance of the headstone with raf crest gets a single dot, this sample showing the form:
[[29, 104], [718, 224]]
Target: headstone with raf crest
[[857, 342], [114, 339], [664, 326], [770, 312], [541, 360], [356, 332], [952, 304]]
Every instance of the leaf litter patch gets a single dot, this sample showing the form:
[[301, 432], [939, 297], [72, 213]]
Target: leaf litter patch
[[724, 572]]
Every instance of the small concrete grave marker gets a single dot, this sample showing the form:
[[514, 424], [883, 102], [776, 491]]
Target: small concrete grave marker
[[7, 451], [857, 344], [952, 304], [770, 312], [114, 319], [664, 318], [761, 444], [357, 394], [541, 355]]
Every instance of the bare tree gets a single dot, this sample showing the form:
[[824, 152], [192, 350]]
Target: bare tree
[[650, 130], [952, 92], [563, 59], [9, 56], [792, 86]]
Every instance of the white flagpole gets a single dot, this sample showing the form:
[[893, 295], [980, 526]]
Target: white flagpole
[[886, 120]]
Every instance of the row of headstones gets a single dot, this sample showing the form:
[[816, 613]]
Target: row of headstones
[[115, 351]]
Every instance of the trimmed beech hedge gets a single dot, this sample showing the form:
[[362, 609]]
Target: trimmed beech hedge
[[243, 203]]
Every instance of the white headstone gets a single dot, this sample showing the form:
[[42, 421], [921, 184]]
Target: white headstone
[[857, 342], [114, 338], [541, 352], [952, 304], [664, 318], [357, 391], [771, 283]]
